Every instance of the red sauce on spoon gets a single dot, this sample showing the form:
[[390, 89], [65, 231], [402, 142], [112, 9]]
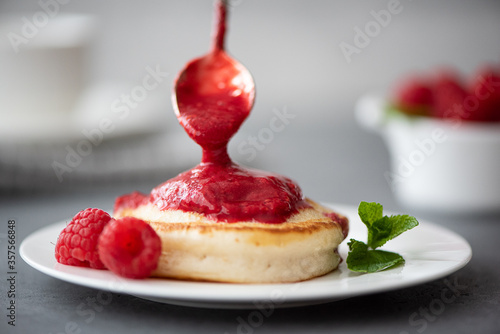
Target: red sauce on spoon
[[213, 96]]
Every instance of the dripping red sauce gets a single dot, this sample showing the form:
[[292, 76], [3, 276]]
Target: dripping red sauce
[[213, 99]]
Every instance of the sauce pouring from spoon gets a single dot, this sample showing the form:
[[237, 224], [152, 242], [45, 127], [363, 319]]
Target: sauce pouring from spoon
[[213, 95]]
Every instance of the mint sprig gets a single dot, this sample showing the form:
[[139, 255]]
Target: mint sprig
[[364, 257]]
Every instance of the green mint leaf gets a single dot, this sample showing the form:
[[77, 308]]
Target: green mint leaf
[[356, 249], [369, 212], [387, 228], [379, 232], [362, 259], [365, 257]]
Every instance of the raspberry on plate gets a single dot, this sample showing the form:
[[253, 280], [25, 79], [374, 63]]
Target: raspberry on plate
[[129, 247], [77, 242]]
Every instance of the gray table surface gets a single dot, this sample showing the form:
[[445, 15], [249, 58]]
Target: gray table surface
[[340, 164]]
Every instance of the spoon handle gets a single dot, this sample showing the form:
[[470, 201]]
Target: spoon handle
[[220, 25]]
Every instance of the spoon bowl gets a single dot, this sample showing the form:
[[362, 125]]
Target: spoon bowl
[[213, 94]]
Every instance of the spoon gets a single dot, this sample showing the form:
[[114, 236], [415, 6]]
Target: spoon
[[213, 94]]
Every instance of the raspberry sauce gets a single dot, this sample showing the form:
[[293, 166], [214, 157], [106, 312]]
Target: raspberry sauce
[[213, 96], [230, 193]]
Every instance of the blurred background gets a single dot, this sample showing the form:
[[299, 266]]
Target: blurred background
[[86, 85]]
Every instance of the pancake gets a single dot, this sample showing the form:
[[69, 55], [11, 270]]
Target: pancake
[[197, 248]]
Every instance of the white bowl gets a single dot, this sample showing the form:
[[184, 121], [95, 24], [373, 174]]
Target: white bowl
[[437, 165]]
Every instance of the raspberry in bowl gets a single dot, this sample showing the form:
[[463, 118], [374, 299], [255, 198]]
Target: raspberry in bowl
[[443, 136]]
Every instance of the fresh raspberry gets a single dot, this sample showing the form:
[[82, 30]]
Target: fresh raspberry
[[449, 98], [132, 200], [414, 96], [129, 247], [486, 90], [77, 243]]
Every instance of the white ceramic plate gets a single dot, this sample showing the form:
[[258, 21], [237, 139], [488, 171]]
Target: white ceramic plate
[[430, 251]]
